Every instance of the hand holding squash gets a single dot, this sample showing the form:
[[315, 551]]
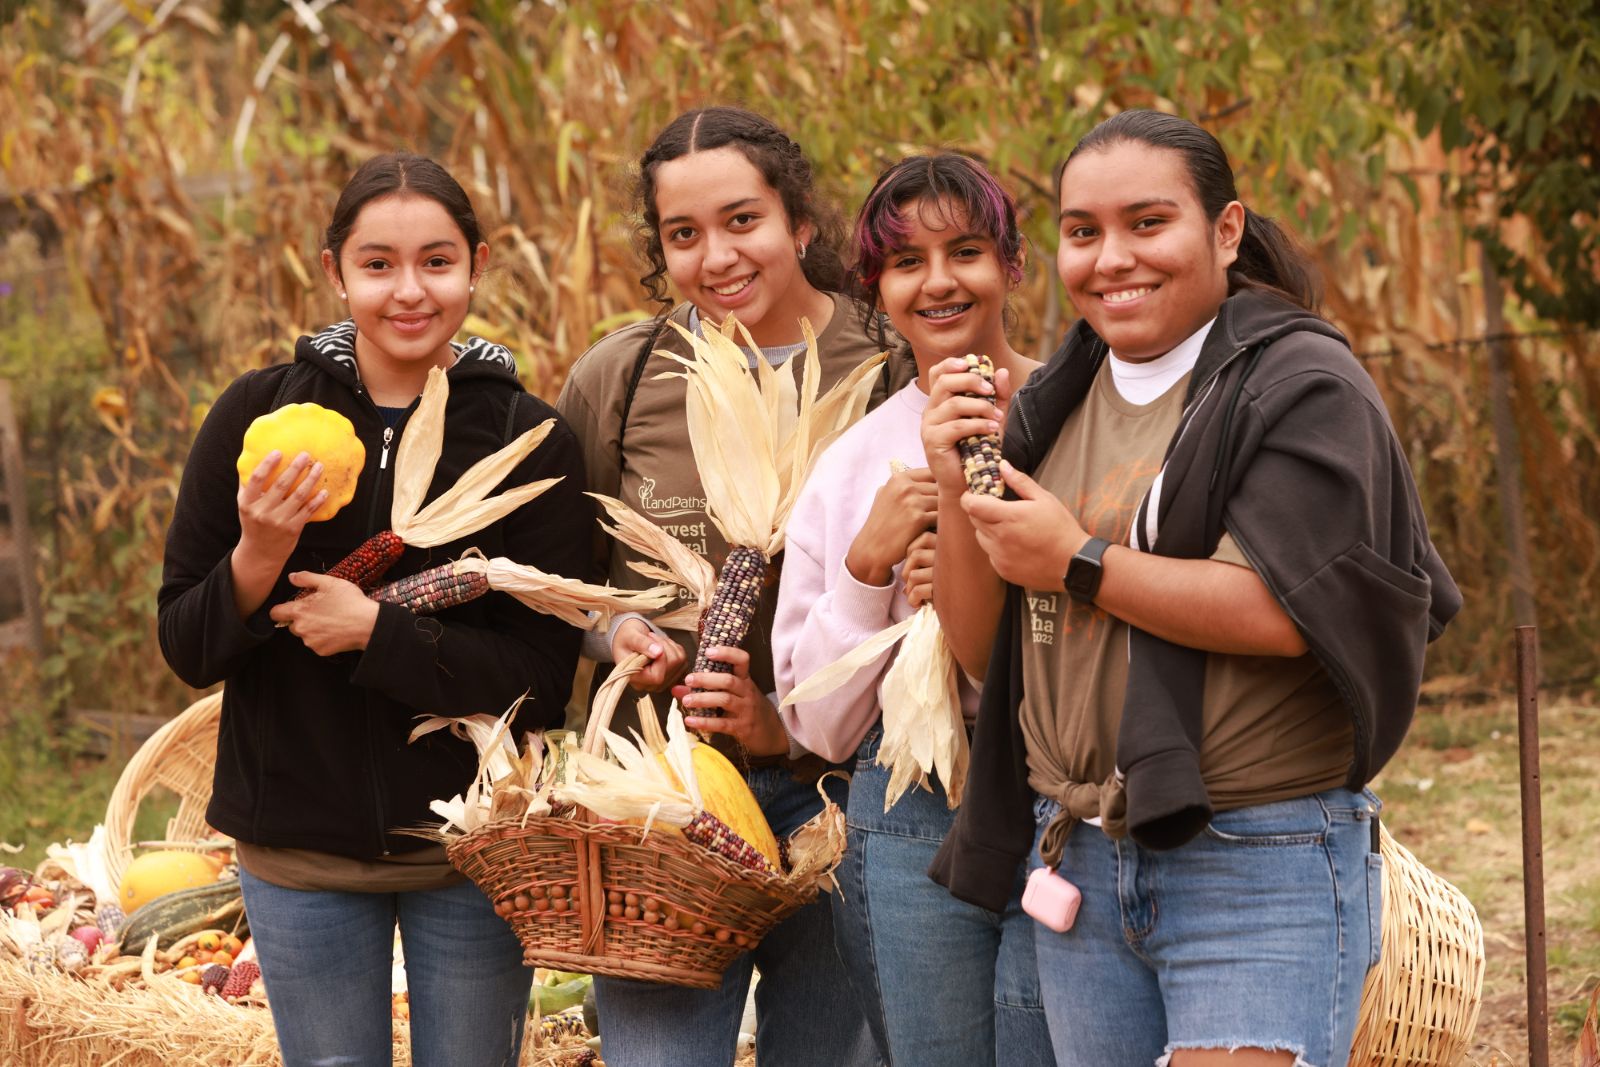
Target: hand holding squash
[[326, 436]]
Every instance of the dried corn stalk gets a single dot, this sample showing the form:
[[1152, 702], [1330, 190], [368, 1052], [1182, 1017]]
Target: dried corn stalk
[[923, 728], [755, 438]]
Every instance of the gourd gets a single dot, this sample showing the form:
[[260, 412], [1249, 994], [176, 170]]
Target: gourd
[[724, 794], [327, 436], [174, 916], [155, 874]]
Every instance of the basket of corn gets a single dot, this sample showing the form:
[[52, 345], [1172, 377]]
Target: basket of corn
[[646, 858]]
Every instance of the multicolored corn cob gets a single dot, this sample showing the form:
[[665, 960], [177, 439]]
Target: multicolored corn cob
[[435, 589], [368, 563], [980, 453], [214, 977], [240, 978], [732, 609], [712, 833], [563, 1024]]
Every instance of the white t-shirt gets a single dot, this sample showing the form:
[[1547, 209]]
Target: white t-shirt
[[1141, 383]]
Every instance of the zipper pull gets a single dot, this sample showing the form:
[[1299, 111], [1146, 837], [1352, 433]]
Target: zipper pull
[[383, 460]]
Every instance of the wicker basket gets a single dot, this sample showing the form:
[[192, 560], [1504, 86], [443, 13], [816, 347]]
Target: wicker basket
[[579, 879], [56, 1020], [1420, 1003]]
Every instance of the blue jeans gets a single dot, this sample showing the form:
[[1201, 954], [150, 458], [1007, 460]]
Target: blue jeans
[[1257, 934], [928, 967], [806, 1014], [327, 959]]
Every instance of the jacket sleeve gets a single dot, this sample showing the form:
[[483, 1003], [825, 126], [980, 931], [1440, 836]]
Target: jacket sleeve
[[1351, 561], [202, 637], [442, 667], [824, 612]]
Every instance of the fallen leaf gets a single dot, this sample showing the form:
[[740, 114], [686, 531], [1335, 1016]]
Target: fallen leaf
[[1478, 826]]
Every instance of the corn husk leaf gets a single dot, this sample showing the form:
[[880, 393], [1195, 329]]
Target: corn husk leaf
[[815, 848], [467, 506], [825, 680], [923, 728], [568, 599], [755, 436], [507, 784], [678, 564], [89, 863]]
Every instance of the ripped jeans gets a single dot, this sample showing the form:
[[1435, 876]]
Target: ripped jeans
[[1257, 934]]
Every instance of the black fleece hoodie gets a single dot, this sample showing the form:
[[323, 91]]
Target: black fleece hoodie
[[1285, 442], [312, 751]]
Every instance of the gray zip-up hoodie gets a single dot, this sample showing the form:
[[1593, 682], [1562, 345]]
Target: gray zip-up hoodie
[[1286, 443]]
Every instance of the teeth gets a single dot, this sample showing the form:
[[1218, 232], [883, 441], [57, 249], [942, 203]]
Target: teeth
[[1125, 295], [944, 313], [733, 287]]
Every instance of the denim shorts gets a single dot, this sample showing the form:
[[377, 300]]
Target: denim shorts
[[1257, 934]]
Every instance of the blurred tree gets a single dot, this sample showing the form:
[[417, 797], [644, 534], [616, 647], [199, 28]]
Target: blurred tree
[[1518, 87]]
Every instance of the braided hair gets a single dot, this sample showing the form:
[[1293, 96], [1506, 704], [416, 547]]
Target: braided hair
[[779, 161]]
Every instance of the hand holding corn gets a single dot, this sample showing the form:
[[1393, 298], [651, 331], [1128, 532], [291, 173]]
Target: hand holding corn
[[336, 617], [732, 704], [962, 404], [917, 574]]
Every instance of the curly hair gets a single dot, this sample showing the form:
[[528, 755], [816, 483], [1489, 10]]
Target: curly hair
[[779, 161]]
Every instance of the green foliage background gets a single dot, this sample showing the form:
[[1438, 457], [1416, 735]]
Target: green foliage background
[[167, 170]]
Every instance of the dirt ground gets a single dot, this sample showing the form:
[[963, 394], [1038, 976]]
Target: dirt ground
[[1452, 796]]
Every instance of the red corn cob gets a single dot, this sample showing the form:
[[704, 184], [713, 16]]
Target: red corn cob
[[733, 607], [368, 563], [711, 832], [239, 980], [980, 453], [433, 590]]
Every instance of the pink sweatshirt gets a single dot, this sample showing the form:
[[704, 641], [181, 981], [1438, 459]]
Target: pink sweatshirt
[[823, 611]]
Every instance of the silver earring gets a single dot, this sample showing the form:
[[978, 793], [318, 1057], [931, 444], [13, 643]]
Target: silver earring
[[802, 251], [472, 288], [343, 295]]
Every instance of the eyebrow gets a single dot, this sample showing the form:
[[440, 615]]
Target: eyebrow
[[1130, 209], [430, 246], [723, 210], [960, 238]]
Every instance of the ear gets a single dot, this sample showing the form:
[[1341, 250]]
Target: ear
[[330, 270], [1021, 264], [480, 261], [804, 232], [1229, 233]]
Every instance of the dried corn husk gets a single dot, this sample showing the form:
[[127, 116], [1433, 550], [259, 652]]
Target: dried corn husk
[[755, 437], [507, 784], [678, 564], [568, 599], [923, 728], [467, 506]]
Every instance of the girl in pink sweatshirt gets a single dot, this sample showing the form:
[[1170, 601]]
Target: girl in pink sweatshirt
[[938, 251]]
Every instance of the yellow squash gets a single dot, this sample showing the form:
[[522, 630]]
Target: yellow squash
[[725, 795], [327, 436]]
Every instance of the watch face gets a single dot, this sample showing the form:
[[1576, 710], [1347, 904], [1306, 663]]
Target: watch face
[[1083, 573]]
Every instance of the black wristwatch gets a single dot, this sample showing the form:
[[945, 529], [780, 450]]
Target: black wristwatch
[[1083, 573]]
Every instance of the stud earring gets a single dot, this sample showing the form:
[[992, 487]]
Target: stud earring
[[343, 295]]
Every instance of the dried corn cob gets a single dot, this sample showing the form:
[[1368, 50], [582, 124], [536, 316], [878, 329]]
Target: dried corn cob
[[213, 978], [435, 589], [732, 609], [980, 453], [240, 977], [708, 831], [368, 563], [562, 1024]]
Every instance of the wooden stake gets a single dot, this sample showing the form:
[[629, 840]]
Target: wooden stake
[[1532, 846]]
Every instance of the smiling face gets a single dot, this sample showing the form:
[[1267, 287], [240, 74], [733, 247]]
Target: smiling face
[[729, 245], [1138, 257], [407, 274], [943, 286]]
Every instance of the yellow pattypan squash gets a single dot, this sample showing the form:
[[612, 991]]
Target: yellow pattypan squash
[[326, 435]]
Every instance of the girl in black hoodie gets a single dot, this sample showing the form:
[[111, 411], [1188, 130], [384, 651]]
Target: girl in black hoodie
[[315, 778], [1200, 614]]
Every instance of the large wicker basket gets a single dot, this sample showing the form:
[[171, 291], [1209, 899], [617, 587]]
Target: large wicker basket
[[52, 1019], [1420, 1003], [580, 893]]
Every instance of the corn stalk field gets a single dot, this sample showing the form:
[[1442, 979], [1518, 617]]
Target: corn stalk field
[[167, 168]]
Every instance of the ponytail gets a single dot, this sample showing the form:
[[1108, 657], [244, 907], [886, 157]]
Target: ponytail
[[1270, 259]]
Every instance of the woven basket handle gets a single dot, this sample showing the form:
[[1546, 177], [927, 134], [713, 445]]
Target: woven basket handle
[[606, 700]]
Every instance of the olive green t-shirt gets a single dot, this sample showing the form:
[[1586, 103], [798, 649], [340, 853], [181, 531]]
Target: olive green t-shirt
[[1273, 727], [652, 468]]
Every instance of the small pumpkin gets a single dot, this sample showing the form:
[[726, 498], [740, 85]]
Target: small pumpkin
[[325, 435], [155, 874]]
